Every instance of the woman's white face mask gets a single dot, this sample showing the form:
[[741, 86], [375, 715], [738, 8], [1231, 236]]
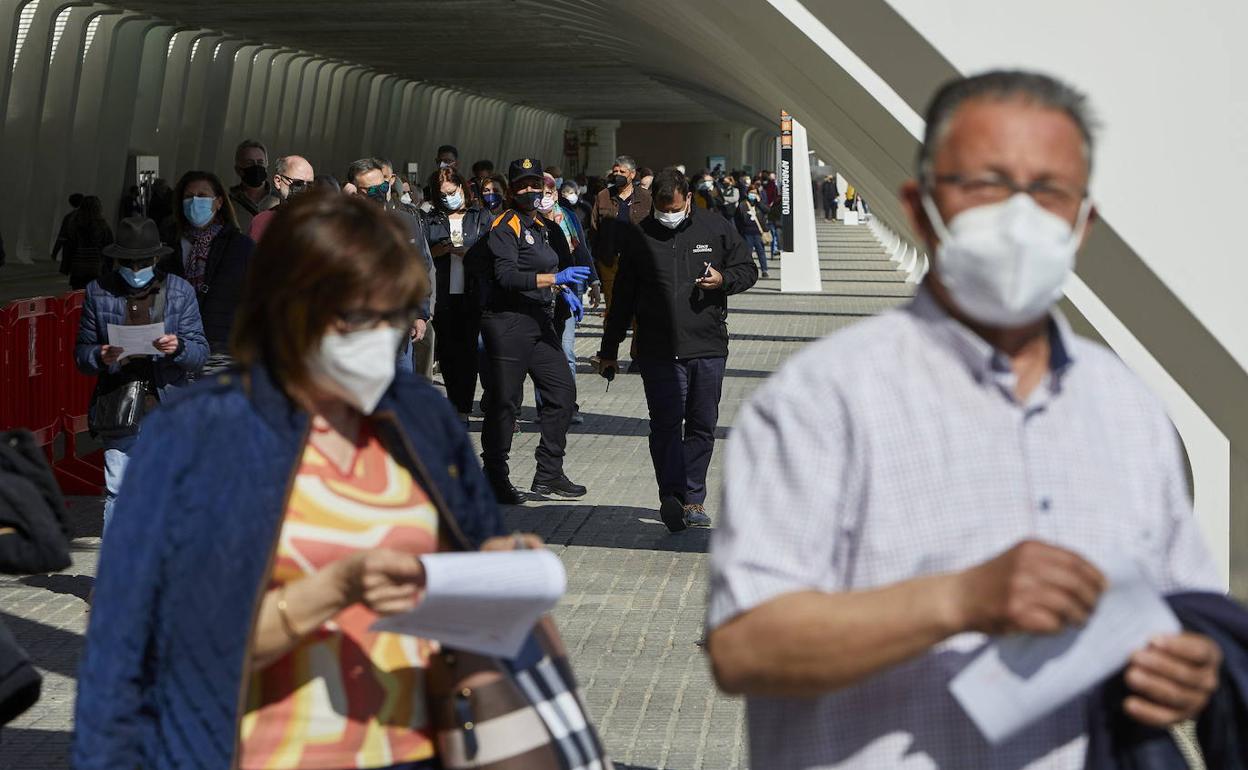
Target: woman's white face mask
[[357, 366], [1004, 264]]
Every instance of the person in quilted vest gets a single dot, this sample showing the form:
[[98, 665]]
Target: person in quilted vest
[[136, 293]]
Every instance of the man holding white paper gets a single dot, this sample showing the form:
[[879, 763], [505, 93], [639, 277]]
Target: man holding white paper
[[962, 467]]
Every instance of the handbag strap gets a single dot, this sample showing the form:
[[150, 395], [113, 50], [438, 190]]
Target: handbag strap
[[158, 307]]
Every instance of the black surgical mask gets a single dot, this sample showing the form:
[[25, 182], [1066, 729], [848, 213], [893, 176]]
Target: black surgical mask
[[527, 201], [253, 176], [618, 180]]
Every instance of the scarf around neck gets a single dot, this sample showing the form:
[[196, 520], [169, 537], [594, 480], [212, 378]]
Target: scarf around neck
[[201, 239]]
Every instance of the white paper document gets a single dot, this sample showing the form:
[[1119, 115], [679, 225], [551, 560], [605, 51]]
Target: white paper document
[[483, 602], [1019, 679], [135, 340]]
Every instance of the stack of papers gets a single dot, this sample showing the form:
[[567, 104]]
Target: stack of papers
[[483, 602], [1019, 679]]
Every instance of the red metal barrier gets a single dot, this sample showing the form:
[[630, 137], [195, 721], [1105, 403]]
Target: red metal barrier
[[76, 475], [33, 346], [41, 389]]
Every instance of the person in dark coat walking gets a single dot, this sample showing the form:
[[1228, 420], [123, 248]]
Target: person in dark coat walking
[[210, 253], [87, 234], [828, 193], [62, 235], [675, 277]]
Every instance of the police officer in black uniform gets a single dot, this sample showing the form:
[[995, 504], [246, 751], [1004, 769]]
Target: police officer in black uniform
[[521, 339]]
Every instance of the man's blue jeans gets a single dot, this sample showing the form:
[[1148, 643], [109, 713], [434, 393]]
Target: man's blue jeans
[[683, 397], [116, 456]]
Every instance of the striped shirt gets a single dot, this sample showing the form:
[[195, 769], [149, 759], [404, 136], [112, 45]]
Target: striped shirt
[[895, 449]]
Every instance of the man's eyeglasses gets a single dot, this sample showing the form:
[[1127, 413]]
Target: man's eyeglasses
[[378, 190], [296, 185], [994, 188], [363, 320]]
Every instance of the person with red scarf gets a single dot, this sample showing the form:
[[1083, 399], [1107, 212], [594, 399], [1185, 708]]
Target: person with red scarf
[[211, 254]]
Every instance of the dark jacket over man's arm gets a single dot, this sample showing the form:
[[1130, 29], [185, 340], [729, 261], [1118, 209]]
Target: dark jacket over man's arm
[[740, 273]]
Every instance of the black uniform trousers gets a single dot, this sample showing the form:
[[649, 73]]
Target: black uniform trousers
[[683, 397], [523, 342], [457, 322]]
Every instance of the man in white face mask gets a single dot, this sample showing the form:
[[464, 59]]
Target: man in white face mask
[[675, 276], [961, 468]]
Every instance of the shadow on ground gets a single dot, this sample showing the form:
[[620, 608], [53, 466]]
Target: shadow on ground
[[70, 585], [46, 645], [601, 424], [604, 526], [26, 749]]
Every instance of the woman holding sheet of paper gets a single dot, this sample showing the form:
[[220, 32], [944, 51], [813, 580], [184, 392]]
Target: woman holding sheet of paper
[[133, 378], [274, 514]]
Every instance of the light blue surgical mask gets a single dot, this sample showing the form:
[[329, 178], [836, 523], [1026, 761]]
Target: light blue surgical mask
[[137, 278], [198, 210], [454, 201]]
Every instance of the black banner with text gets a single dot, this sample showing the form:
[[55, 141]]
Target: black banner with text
[[786, 181]]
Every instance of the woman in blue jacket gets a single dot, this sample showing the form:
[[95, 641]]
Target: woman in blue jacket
[[136, 293], [271, 515]]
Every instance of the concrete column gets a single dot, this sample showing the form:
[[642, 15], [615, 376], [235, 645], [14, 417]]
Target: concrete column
[[47, 151], [282, 102], [1239, 521], [125, 45], [265, 70], [22, 115], [236, 105], [214, 137], [301, 115], [316, 140], [196, 106], [599, 157]]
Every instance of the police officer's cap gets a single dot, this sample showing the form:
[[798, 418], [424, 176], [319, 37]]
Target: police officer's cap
[[524, 168]]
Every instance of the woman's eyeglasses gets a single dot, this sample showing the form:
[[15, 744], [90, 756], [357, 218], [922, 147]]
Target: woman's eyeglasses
[[363, 320]]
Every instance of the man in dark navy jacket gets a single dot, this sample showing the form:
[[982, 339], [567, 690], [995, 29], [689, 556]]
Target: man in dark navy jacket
[[675, 275]]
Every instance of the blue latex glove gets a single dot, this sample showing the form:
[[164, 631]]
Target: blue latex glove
[[574, 274], [574, 302]]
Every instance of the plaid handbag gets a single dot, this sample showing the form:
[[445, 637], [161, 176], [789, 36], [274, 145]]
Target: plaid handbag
[[525, 714], [492, 714]]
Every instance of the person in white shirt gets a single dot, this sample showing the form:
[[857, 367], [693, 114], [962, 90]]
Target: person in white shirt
[[953, 469]]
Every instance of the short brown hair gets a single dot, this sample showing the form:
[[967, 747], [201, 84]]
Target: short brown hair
[[321, 252]]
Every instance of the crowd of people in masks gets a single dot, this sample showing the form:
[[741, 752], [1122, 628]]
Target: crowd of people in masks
[[324, 464], [312, 312], [517, 256]]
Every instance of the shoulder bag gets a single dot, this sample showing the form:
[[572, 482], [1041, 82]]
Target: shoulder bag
[[119, 402]]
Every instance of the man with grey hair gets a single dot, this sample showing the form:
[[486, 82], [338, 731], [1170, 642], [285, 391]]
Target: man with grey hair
[[618, 209], [962, 467]]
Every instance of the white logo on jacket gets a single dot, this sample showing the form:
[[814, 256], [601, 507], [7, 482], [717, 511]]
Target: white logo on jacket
[[702, 248]]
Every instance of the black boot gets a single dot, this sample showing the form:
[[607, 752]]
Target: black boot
[[562, 486], [505, 492]]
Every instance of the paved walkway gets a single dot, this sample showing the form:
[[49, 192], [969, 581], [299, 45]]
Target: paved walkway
[[633, 614]]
